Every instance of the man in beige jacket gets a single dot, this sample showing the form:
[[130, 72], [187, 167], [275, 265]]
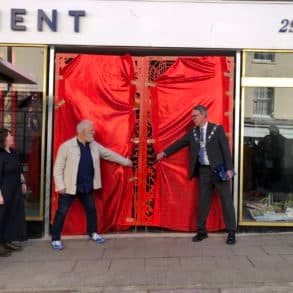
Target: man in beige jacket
[[76, 174]]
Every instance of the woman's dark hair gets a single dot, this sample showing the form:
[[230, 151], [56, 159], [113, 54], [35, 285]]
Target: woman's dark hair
[[3, 135]]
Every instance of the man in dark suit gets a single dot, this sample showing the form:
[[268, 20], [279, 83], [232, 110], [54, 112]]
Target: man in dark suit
[[208, 149]]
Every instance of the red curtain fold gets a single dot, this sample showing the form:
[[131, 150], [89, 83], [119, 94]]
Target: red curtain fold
[[190, 81], [98, 88]]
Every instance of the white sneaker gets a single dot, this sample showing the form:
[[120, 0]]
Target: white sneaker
[[57, 245], [97, 238]]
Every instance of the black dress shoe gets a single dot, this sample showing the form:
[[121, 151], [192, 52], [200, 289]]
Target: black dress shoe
[[199, 237], [11, 246], [231, 239], [4, 252]]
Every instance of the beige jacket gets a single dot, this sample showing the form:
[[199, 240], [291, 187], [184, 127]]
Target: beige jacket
[[67, 161]]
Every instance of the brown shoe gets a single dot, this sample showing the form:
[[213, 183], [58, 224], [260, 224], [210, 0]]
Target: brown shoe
[[11, 246]]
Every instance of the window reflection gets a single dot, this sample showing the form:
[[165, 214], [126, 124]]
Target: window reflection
[[268, 64], [21, 110], [267, 161], [268, 185], [263, 101], [263, 57]]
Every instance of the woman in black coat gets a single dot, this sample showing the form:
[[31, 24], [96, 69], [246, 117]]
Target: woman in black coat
[[12, 187]]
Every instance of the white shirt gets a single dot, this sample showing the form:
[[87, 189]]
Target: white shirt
[[205, 156]]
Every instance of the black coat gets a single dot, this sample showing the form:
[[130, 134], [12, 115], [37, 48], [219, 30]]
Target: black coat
[[12, 213], [217, 148]]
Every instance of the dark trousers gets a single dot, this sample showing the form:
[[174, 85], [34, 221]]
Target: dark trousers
[[207, 182], [64, 203]]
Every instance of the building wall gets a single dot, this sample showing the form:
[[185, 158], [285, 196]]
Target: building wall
[[283, 103], [178, 24]]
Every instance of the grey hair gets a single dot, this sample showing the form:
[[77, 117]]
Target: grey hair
[[202, 109], [274, 128], [83, 125]]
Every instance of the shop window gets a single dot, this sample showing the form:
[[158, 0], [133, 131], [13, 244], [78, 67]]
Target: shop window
[[266, 188], [263, 57], [22, 111], [263, 102]]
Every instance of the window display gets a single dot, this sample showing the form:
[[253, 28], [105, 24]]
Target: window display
[[266, 194]]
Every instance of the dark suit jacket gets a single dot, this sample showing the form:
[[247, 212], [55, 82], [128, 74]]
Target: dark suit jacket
[[216, 146]]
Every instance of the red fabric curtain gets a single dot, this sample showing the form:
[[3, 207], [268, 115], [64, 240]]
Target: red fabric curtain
[[98, 88], [190, 81]]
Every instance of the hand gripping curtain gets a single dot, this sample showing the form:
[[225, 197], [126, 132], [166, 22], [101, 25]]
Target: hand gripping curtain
[[190, 81], [98, 88]]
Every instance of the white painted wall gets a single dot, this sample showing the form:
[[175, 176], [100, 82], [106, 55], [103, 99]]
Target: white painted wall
[[155, 23]]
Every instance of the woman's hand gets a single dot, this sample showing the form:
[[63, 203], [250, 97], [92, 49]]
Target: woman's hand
[[1, 199]]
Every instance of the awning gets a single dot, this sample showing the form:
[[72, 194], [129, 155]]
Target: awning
[[9, 73]]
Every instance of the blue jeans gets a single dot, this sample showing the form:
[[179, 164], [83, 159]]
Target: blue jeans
[[64, 203]]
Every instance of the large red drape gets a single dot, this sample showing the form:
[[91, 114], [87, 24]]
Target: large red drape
[[98, 88], [190, 81]]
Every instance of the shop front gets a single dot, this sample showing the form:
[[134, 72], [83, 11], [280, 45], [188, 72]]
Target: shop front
[[137, 73]]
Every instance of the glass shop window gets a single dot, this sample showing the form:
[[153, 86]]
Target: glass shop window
[[266, 185], [22, 96]]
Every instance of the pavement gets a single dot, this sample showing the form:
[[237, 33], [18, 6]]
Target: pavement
[[153, 263]]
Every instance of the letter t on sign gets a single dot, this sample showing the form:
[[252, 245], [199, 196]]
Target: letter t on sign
[[76, 14]]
